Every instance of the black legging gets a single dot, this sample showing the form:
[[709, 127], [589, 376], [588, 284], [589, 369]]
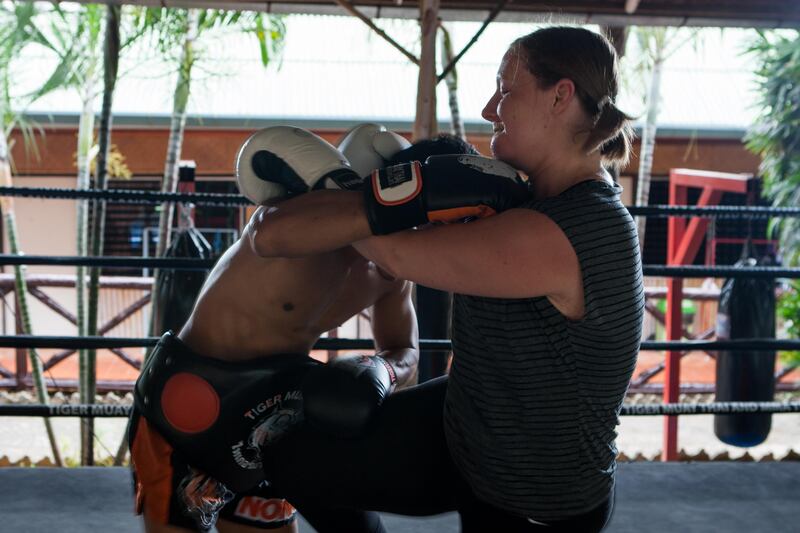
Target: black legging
[[401, 465]]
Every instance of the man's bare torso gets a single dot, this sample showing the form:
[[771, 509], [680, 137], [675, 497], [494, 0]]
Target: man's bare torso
[[253, 307]]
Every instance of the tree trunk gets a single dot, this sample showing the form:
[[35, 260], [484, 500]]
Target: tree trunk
[[86, 362], [7, 206], [425, 125], [110, 62], [456, 122], [618, 37], [169, 182], [648, 144]]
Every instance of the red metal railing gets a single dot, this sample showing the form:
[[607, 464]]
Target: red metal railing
[[20, 378]]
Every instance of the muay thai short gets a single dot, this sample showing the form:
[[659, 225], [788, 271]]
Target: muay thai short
[[197, 431]]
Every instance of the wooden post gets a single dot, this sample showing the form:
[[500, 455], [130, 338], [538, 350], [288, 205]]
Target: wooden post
[[425, 120]]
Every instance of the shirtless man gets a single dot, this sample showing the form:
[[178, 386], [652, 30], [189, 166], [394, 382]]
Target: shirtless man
[[238, 376]]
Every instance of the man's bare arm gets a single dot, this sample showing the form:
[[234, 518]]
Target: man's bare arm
[[394, 328], [313, 223]]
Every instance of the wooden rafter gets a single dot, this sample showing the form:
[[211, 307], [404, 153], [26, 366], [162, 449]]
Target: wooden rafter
[[350, 8], [492, 15]]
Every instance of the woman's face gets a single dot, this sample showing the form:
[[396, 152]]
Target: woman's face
[[517, 113]]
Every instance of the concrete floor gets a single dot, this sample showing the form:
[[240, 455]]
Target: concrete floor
[[652, 497]]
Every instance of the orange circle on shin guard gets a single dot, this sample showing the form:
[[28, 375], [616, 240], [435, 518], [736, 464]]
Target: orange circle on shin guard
[[189, 403]]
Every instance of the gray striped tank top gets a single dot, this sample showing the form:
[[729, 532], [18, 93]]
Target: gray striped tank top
[[533, 398]]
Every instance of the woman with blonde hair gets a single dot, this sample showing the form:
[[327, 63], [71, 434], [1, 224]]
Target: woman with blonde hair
[[548, 298]]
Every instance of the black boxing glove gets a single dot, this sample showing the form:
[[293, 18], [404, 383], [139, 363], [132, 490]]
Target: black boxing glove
[[445, 188], [342, 396]]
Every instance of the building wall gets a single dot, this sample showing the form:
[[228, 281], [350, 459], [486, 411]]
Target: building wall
[[214, 150], [44, 227]]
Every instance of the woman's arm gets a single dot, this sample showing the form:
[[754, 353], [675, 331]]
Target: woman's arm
[[313, 223], [394, 328], [516, 254]]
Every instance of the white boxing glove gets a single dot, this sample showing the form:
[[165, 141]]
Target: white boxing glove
[[284, 161], [370, 146]]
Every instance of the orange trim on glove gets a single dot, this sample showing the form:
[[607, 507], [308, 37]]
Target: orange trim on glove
[[457, 213]]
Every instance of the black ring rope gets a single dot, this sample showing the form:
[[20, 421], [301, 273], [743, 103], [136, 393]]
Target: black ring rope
[[74, 342], [127, 196], [653, 409], [713, 211], [691, 271], [175, 263], [96, 342], [153, 197], [734, 345], [716, 408], [178, 263]]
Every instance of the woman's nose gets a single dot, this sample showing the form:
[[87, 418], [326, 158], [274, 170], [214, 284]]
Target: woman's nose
[[490, 109]]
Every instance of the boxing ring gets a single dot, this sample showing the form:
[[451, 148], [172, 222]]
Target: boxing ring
[[651, 496]]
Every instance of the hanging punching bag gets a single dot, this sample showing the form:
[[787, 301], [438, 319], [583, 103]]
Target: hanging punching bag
[[746, 310], [176, 290]]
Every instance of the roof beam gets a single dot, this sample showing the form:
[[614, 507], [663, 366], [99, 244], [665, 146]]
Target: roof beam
[[770, 15], [366, 20], [493, 15]]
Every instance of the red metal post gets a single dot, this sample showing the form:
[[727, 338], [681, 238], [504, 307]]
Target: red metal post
[[676, 229], [672, 368], [683, 242]]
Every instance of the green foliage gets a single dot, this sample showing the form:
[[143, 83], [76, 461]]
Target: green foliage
[[167, 28], [74, 36], [13, 38], [776, 138], [789, 310], [776, 134]]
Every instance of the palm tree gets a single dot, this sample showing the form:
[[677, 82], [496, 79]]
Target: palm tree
[[451, 80], [12, 39], [111, 53], [74, 36], [775, 137], [184, 30], [657, 45]]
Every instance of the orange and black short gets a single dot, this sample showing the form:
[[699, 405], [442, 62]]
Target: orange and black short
[[168, 490]]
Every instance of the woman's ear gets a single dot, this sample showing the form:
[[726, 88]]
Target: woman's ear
[[563, 93]]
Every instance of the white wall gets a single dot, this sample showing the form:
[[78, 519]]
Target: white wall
[[44, 227]]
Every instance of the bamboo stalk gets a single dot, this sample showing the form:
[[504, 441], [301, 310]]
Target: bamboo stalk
[[647, 146], [451, 80], [111, 49], [425, 120], [86, 365], [169, 181], [7, 207]]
